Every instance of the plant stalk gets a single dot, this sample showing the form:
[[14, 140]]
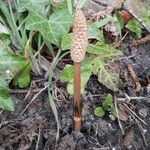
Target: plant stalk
[[77, 96]]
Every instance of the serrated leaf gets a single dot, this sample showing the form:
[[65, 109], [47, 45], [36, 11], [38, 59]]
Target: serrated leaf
[[95, 32], [67, 73], [32, 4], [5, 99], [52, 29], [133, 25], [104, 50], [66, 41], [110, 81], [99, 112], [108, 102]]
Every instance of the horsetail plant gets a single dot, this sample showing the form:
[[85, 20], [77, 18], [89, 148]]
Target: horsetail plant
[[78, 50]]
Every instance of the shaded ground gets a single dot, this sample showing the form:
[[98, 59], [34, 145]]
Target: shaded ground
[[36, 128]]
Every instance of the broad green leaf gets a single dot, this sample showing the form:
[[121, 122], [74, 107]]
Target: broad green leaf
[[23, 77], [104, 50], [95, 32], [66, 41], [10, 65], [108, 102], [5, 99], [58, 5], [97, 63], [10, 62], [133, 25], [80, 4], [103, 22], [32, 4], [52, 29], [110, 81], [99, 112], [67, 73]]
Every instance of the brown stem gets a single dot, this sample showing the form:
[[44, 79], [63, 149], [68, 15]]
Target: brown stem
[[77, 96]]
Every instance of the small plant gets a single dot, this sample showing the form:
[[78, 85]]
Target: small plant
[[108, 107]]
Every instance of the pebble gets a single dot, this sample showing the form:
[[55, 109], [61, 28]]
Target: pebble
[[143, 112]]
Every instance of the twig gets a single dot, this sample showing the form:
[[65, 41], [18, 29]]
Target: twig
[[135, 114], [119, 122], [141, 130], [135, 78], [12, 91], [39, 135], [141, 41], [33, 99]]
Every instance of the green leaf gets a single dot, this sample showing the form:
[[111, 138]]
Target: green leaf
[[23, 77], [58, 5], [110, 81], [133, 25], [99, 112], [10, 65], [104, 50], [5, 99], [66, 41], [80, 4], [145, 16], [95, 32], [52, 29], [108, 102], [67, 73], [10, 62], [103, 22], [32, 4]]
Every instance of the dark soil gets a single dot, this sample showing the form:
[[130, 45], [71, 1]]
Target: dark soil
[[36, 128]]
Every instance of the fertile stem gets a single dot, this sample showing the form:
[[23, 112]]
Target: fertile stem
[[77, 96]]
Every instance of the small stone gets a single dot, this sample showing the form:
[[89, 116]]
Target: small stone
[[143, 112]]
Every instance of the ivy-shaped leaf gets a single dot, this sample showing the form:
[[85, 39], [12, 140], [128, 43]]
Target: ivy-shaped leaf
[[32, 4], [52, 29], [95, 32], [105, 51], [22, 79], [66, 41], [10, 65], [109, 80], [67, 73], [5, 99]]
